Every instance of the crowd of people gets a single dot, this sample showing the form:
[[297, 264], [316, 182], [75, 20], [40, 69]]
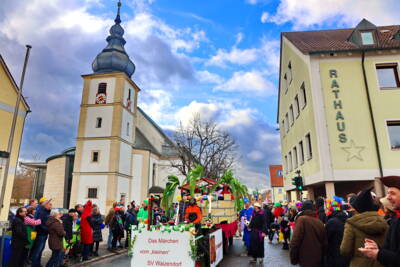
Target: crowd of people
[[76, 235], [73, 236], [359, 231]]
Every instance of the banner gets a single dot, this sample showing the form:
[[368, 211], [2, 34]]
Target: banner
[[156, 248], [216, 248]]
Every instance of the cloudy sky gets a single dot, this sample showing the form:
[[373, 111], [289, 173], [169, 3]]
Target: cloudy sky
[[218, 58]]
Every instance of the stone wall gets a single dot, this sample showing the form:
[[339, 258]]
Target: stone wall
[[54, 185]]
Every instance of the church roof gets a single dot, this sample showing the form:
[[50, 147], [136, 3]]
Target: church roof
[[114, 58]]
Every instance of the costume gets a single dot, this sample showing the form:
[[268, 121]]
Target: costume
[[246, 213], [258, 226]]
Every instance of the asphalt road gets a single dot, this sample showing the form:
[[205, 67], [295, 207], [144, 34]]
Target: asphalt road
[[274, 257]]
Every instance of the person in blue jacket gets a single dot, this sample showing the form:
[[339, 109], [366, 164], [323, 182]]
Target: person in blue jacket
[[42, 213], [130, 219], [247, 212]]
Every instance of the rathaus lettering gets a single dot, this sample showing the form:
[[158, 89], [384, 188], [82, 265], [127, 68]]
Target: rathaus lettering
[[338, 106]]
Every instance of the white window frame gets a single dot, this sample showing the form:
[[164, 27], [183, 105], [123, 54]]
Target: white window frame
[[303, 94], [286, 83], [383, 89], [290, 71], [291, 115], [290, 158], [286, 164], [309, 152], [295, 158], [388, 135], [301, 152], [287, 122], [297, 105]]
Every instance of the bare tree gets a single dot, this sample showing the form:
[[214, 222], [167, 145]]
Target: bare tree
[[203, 142]]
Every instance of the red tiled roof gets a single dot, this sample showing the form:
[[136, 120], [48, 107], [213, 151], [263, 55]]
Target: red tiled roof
[[337, 40]]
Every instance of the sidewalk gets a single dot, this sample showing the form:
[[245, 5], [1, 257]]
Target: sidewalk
[[103, 254]]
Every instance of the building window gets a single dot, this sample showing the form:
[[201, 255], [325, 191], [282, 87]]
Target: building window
[[286, 164], [129, 94], [290, 161], [394, 134], [92, 193], [283, 127], [98, 122], [388, 76], [308, 147], [102, 89], [95, 156], [127, 129], [295, 160], [154, 175], [122, 197], [290, 74], [287, 122], [286, 83], [296, 106], [367, 38], [303, 95], [291, 115], [279, 190], [301, 153]]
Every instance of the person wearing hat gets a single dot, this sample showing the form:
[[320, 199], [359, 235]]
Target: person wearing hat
[[193, 212], [42, 213], [258, 231], [335, 229], [388, 209], [309, 241], [365, 224], [143, 214], [245, 215], [387, 254]]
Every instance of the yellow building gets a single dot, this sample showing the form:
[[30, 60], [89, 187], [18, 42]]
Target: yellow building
[[338, 110], [8, 99]]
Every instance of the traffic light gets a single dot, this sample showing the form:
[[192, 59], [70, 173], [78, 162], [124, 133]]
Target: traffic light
[[298, 182]]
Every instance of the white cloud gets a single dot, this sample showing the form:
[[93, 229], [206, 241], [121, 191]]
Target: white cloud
[[264, 17], [234, 56], [308, 13], [239, 38], [255, 155], [207, 77], [205, 110], [247, 82]]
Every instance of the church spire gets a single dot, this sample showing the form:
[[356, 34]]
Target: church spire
[[114, 58]]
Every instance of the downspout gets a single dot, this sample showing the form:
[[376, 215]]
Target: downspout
[[378, 153]]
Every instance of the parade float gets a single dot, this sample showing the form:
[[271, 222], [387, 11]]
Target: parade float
[[165, 245]]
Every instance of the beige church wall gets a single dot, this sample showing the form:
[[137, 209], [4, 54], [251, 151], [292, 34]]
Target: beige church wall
[[123, 188], [54, 182], [136, 182], [93, 181], [128, 86], [94, 84], [103, 147], [92, 113], [125, 159], [144, 172], [126, 131]]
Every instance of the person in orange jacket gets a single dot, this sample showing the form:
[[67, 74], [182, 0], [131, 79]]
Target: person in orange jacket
[[193, 212]]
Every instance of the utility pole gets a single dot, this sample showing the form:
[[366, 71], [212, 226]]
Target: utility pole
[[12, 132]]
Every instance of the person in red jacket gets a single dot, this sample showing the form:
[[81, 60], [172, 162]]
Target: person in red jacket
[[193, 212], [86, 230]]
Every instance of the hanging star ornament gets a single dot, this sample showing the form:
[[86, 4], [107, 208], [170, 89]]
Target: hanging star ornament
[[353, 151]]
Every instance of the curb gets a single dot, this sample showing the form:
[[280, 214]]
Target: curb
[[103, 257]]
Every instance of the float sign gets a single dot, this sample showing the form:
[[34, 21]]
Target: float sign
[[216, 248], [154, 248]]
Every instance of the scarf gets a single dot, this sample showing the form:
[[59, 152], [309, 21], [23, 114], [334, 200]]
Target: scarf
[[397, 211]]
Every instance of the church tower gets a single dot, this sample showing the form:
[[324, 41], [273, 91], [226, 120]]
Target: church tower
[[103, 160]]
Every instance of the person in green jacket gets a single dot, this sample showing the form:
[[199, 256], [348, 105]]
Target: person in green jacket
[[143, 214]]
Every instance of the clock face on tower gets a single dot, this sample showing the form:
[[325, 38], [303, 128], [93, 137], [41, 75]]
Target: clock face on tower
[[101, 98]]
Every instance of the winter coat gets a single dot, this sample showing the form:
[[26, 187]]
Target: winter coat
[[86, 227], [97, 221], [56, 233], [309, 241], [117, 225], [67, 223], [335, 229], [269, 217], [19, 236], [257, 226], [389, 253], [364, 225], [130, 219], [42, 214]]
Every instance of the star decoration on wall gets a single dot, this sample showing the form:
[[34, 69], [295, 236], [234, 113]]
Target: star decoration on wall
[[353, 151]]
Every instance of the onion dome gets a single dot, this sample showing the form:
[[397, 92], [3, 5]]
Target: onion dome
[[114, 58]]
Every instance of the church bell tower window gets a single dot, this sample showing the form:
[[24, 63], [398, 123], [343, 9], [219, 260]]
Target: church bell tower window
[[101, 96]]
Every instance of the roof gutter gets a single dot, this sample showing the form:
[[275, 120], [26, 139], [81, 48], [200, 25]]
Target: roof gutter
[[378, 153], [352, 50], [279, 82]]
